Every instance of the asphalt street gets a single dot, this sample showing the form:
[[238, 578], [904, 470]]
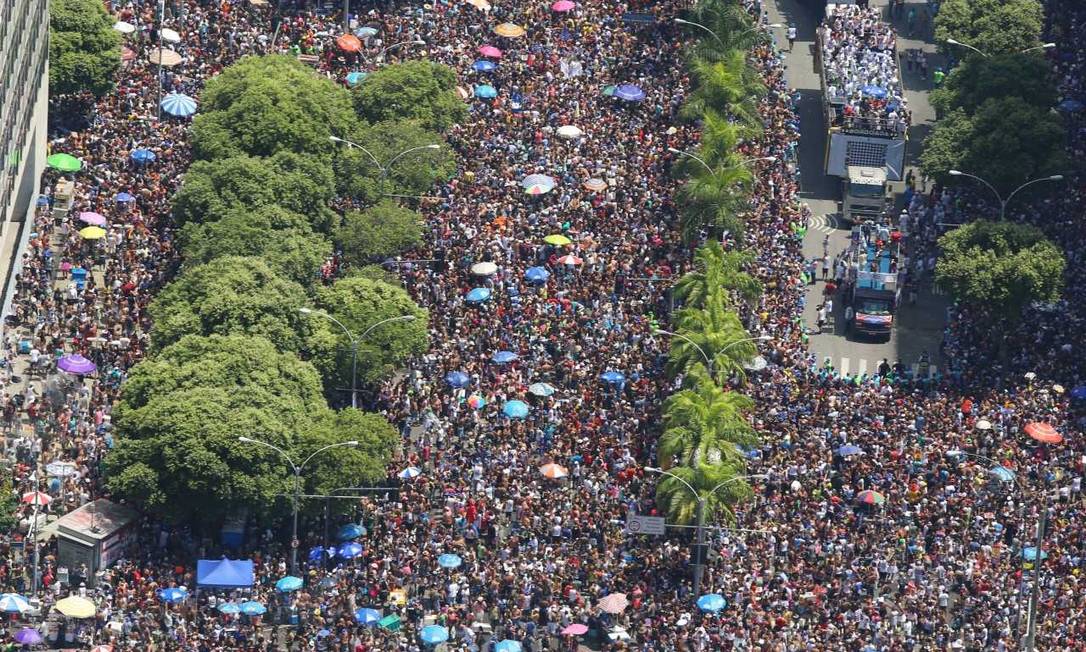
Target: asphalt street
[[920, 326]]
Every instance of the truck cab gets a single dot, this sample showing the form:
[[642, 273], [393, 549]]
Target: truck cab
[[863, 194]]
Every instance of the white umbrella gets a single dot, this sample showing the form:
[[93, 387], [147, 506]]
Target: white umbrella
[[483, 269], [123, 27], [984, 424], [569, 132], [170, 36]]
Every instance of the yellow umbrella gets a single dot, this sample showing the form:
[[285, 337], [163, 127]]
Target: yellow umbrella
[[93, 233], [557, 240], [509, 30], [74, 606]]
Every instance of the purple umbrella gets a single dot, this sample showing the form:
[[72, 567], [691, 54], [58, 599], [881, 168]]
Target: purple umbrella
[[630, 93], [27, 636], [77, 364], [92, 218]]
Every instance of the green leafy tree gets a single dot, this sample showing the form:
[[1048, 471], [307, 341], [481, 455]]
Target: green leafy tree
[[359, 303], [231, 295], [226, 362], [378, 440], [719, 334], [1000, 267], [1011, 129], [944, 147], [992, 26], [979, 79], [267, 104], [285, 241], [416, 90], [84, 49], [300, 184], [378, 232], [9, 504], [716, 270], [398, 159]]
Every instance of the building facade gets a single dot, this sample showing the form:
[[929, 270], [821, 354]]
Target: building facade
[[24, 109]]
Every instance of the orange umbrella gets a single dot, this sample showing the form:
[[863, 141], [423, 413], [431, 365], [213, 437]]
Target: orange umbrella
[[349, 43], [1043, 432], [509, 30], [553, 471]]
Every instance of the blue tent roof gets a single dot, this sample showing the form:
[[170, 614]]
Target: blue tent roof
[[224, 572]]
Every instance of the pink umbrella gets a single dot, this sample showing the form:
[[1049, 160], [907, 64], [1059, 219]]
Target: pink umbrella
[[37, 498], [92, 218], [490, 51], [569, 259], [563, 6], [615, 603], [576, 629]]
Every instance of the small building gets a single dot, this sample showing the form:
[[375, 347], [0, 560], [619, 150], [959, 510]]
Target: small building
[[96, 535]]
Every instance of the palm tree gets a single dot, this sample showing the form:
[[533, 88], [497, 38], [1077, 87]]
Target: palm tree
[[681, 507], [728, 83], [703, 424], [717, 269], [718, 332], [714, 201]]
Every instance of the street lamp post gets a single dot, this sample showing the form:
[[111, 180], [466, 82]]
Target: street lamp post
[[381, 54], [740, 163], [699, 568], [691, 23], [1003, 202], [1043, 46], [387, 167], [161, 19], [297, 468], [355, 341]]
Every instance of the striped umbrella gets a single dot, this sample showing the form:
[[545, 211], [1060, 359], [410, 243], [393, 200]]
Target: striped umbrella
[[179, 105], [870, 497], [553, 471], [13, 603]]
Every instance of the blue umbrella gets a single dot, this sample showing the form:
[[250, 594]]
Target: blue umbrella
[[42, 200], [508, 645], [1079, 392], [502, 357], [365, 32], [1071, 106], [124, 197], [1002, 473], [28, 636], [482, 65], [410, 472], [324, 633], [173, 595], [850, 449], [316, 553], [288, 584], [177, 104], [1030, 554], [485, 91], [612, 377], [254, 608], [712, 602], [877, 92], [349, 531], [536, 275], [449, 560], [367, 616], [434, 634], [229, 608], [457, 379], [541, 389], [356, 78], [13, 603], [142, 155], [349, 550], [629, 92], [478, 295], [515, 409]]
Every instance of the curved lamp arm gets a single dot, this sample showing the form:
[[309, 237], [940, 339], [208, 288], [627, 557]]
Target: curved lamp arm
[[689, 341], [385, 321], [352, 443], [1054, 177], [249, 440], [959, 173], [337, 139], [653, 469], [693, 156], [321, 313], [408, 151]]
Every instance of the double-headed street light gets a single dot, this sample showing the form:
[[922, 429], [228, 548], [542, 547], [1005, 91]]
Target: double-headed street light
[[1043, 46], [699, 568], [740, 163], [691, 23], [1003, 202], [388, 166], [381, 54], [297, 468], [355, 341], [708, 360]]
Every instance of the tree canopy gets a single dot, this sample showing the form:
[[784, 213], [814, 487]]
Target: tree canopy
[[978, 79], [262, 105], [359, 303], [285, 241], [402, 149], [301, 184], [992, 26], [367, 463], [231, 295], [419, 90], [1000, 267], [378, 232], [84, 49]]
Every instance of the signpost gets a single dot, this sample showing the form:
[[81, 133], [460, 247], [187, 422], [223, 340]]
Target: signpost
[[640, 524]]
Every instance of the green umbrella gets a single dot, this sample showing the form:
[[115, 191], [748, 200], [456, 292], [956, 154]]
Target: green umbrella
[[64, 163]]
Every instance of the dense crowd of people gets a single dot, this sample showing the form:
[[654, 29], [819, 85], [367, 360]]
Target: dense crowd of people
[[806, 567]]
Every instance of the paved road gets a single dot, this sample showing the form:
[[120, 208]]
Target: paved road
[[920, 326]]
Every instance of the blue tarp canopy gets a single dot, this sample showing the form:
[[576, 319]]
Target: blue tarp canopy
[[224, 572]]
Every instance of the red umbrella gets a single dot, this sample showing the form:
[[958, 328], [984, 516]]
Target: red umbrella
[[37, 498], [1043, 432], [576, 629], [490, 51], [349, 43]]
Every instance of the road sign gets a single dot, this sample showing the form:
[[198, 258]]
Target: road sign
[[640, 524]]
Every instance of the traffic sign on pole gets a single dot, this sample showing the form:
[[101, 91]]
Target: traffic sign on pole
[[640, 524]]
